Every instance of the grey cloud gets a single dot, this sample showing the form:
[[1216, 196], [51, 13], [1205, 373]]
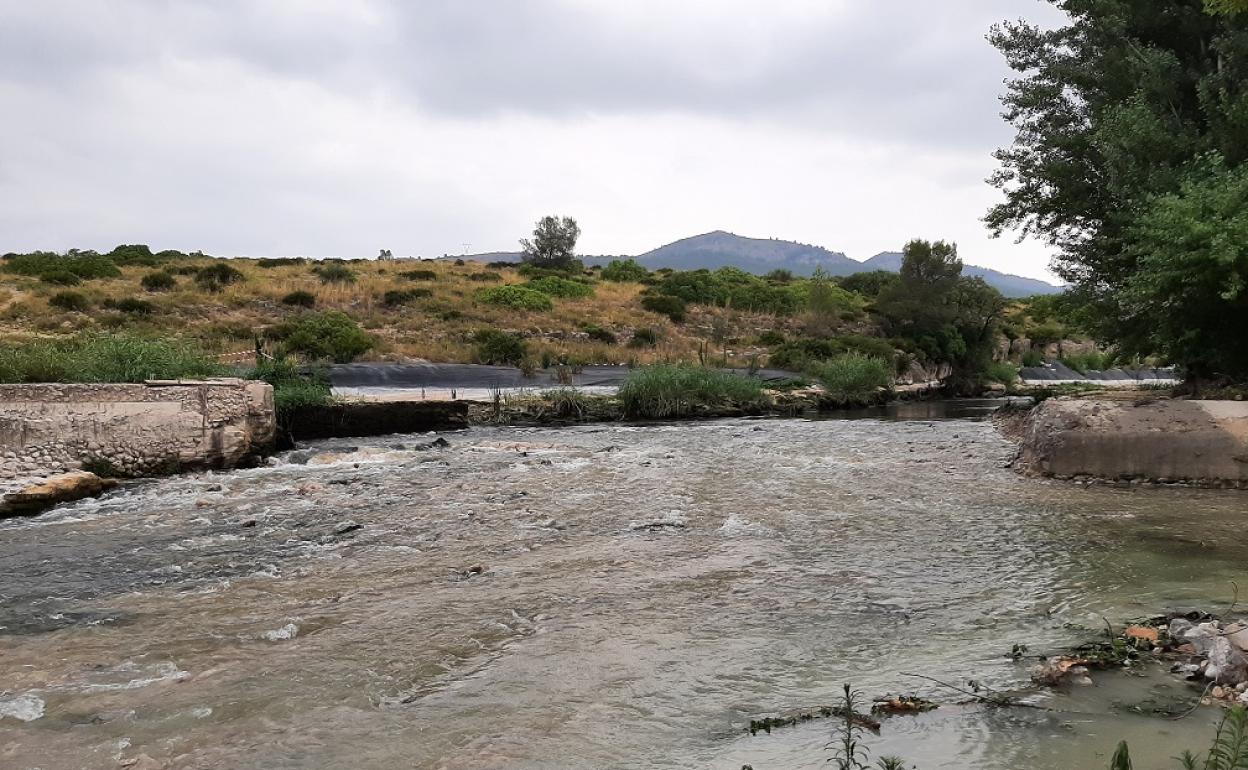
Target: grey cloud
[[905, 69]]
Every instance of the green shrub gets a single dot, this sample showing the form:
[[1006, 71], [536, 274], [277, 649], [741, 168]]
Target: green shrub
[[332, 335], [133, 254], [1002, 372], [84, 264], [217, 276], [485, 277], [300, 298], [419, 275], [771, 338], [663, 391], [798, 355], [625, 271], [398, 297], [292, 388], [869, 284], [1089, 362], [561, 287], [779, 276], [1046, 333], [515, 297], [600, 334], [853, 379], [271, 262], [334, 273], [104, 358], [69, 300], [731, 287], [135, 306], [663, 304], [493, 346], [185, 269], [160, 281], [60, 278], [1033, 358], [645, 337]]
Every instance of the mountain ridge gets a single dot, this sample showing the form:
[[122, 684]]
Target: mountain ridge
[[720, 248]]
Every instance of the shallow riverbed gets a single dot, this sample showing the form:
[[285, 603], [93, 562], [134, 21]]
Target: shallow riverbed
[[592, 597]]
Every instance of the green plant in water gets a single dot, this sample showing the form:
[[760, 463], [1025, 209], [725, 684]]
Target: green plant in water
[[853, 379], [665, 390], [849, 754]]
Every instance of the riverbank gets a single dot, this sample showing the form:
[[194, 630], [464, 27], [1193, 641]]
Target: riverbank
[[1142, 440]]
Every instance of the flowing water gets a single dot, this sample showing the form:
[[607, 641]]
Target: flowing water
[[594, 597]]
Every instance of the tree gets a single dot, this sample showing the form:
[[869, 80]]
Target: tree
[[1133, 110], [553, 245]]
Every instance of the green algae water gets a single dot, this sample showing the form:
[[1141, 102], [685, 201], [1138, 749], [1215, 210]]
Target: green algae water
[[597, 597]]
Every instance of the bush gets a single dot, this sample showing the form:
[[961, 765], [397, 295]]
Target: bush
[[133, 254], [494, 346], [161, 281], [332, 335], [335, 273], [184, 269], [515, 297], [663, 304], [1089, 362], [853, 379], [1002, 372], [60, 278], [1033, 358], [69, 300], [644, 337], [136, 306], [217, 276], [398, 297], [485, 277], [419, 275], [600, 334], [771, 338], [271, 262], [104, 358], [625, 271], [292, 388], [84, 264], [869, 284], [300, 298], [561, 287], [658, 392], [798, 355]]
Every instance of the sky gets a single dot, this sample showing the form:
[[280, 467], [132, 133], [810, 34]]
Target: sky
[[341, 127]]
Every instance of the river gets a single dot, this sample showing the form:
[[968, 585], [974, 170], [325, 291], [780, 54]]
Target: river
[[594, 597]]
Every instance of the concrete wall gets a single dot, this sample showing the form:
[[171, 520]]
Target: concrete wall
[[138, 429], [1163, 440]]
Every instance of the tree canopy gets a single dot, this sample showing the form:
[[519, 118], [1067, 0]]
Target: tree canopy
[[553, 245], [1132, 125]]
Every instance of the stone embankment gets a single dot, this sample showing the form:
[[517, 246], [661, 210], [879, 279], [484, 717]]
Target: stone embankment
[[133, 429], [1163, 441]]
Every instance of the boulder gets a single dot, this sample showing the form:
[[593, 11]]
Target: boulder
[[62, 488]]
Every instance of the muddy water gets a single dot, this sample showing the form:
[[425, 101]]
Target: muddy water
[[591, 597]]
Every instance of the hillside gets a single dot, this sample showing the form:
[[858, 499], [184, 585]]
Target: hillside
[[1006, 283], [763, 255]]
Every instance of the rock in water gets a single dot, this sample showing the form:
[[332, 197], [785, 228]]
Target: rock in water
[[62, 488]]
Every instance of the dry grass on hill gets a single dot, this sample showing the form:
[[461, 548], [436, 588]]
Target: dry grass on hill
[[438, 327]]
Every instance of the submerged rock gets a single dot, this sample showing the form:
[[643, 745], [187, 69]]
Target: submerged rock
[[62, 488]]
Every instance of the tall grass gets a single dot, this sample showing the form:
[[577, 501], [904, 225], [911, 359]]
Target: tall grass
[[665, 390], [104, 358], [853, 379], [292, 388]]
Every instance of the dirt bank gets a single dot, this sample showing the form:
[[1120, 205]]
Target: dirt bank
[[1165, 440]]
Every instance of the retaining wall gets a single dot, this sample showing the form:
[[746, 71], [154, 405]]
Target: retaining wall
[[134, 429], [1164, 440]]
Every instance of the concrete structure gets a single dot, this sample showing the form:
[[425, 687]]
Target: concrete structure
[[133, 429], [1163, 440]]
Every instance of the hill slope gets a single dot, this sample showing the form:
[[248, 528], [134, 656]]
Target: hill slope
[[1007, 284], [754, 255], [762, 255]]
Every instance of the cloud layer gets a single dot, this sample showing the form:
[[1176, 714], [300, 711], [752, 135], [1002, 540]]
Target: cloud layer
[[319, 127]]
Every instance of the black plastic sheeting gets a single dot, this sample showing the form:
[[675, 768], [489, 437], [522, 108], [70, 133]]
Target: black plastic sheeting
[[1057, 371], [399, 376]]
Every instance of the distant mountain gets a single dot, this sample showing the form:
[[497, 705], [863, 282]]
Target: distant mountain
[[754, 255], [1007, 284], [762, 255]]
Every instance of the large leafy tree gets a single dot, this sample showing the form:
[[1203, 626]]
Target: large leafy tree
[[553, 244], [949, 317], [1132, 123]]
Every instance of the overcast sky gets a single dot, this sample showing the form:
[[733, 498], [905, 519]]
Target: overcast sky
[[340, 127]]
